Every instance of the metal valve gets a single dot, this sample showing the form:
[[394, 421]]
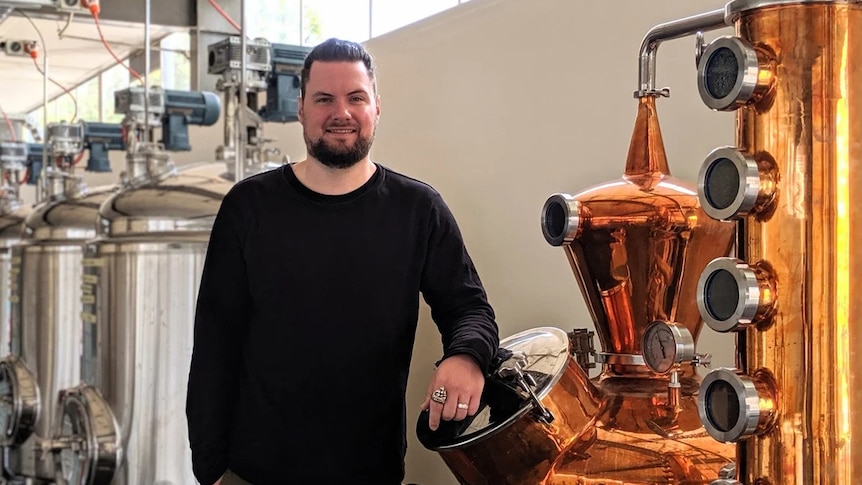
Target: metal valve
[[527, 383]]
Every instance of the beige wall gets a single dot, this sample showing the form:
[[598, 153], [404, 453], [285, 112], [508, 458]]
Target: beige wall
[[500, 103]]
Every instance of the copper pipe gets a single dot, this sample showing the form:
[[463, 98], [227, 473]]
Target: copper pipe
[[812, 129], [668, 31]]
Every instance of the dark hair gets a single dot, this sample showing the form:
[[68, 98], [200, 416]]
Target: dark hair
[[337, 50]]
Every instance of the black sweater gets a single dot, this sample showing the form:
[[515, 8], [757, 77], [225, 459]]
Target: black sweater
[[305, 323]]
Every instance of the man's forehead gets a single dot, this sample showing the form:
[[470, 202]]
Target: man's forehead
[[328, 72]]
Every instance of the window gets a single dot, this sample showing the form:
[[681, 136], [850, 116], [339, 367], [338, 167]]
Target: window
[[345, 19], [176, 61], [388, 15]]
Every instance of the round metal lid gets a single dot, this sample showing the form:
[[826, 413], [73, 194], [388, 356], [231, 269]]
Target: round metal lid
[[67, 218], [90, 449], [12, 224], [542, 353], [20, 402], [186, 201]]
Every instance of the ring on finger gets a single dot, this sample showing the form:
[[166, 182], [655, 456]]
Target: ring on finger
[[462, 405], [439, 395]]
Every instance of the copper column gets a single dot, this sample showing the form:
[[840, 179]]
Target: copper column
[[793, 184]]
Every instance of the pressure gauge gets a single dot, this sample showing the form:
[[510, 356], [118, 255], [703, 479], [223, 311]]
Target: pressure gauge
[[666, 346]]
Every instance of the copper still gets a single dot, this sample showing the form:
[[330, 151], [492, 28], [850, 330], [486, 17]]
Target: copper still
[[764, 247], [790, 183], [637, 246]]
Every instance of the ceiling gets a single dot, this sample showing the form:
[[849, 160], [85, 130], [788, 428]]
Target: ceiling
[[72, 59]]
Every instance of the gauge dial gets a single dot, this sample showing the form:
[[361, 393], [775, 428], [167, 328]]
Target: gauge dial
[[666, 345]]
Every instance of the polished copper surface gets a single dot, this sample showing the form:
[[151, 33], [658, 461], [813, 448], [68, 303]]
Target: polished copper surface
[[812, 128], [642, 244], [639, 248], [637, 252], [642, 437], [522, 453]]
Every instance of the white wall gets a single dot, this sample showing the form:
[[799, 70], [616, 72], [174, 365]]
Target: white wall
[[500, 103]]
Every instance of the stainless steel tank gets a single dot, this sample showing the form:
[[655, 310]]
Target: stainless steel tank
[[45, 298], [12, 217], [141, 275], [13, 160]]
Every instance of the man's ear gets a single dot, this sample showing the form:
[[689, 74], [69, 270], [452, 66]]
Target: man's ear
[[299, 112]]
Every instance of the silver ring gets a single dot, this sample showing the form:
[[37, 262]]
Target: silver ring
[[462, 405], [439, 395]]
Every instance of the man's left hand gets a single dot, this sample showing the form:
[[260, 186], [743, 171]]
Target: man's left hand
[[462, 380]]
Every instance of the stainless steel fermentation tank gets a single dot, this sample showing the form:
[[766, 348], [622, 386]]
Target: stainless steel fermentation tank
[[12, 218], [46, 326], [142, 275], [13, 158]]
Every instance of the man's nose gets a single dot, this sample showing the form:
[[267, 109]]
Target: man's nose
[[341, 109]]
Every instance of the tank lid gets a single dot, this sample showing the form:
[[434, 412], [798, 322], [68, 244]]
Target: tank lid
[[12, 224], [62, 218], [185, 202], [542, 353]]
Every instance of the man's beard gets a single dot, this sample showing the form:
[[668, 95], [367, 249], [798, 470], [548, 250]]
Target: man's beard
[[339, 156]]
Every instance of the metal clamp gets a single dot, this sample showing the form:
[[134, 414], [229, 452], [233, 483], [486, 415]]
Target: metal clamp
[[699, 47], [702, 360], [583, 349], [620, 359], [527, 383]]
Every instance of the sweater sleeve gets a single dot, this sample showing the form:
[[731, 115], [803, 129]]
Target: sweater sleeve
[[452, 288], [223, 302]]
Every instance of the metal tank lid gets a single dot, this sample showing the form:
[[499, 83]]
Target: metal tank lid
[[67, 217], [184, 201], [12, 216], [545, 354]]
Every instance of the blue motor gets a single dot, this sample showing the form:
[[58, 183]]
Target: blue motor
[[34, 162], [99, 138], [283, 86], [184, 108]]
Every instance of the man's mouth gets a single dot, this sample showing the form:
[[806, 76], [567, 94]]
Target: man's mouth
[[341, 131]]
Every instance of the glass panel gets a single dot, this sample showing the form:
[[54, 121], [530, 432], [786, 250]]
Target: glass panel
[[275, 20], [88, 100], [388, 15], [345, 19], [176, 63], [114, 79], [65, 109]]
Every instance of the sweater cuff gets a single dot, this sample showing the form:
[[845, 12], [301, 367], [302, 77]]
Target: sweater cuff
[[483, 362], [209, 473]]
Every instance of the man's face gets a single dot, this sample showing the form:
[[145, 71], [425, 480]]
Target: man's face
[[339, 113]]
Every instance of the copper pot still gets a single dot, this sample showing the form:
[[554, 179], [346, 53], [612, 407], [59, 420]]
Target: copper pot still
[[763, 245], [636, 246]]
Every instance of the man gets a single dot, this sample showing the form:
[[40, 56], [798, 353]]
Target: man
[[309, 302]]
